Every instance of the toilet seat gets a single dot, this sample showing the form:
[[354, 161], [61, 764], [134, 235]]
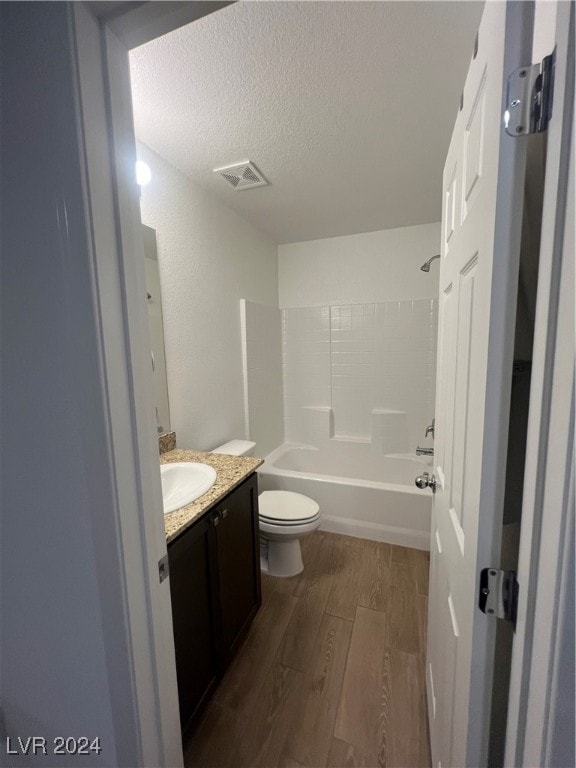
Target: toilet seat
[[290, 523], [287, 508]]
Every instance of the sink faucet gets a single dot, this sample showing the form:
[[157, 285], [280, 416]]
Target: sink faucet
[[430, 429]]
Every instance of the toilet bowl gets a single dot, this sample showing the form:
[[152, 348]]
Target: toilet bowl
[[284, 517]]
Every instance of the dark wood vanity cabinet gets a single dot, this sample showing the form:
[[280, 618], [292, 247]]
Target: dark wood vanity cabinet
[[215, 591], [238, 557], [193, 590]]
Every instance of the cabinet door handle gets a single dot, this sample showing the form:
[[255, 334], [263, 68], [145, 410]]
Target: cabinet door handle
[[224, 513], [216, 519]]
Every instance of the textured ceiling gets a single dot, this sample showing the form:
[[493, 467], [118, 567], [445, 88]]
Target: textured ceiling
[[345, 107]]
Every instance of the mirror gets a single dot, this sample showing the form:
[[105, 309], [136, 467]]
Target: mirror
[[156, 326]]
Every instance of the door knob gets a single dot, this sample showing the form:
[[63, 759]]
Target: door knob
[[425, 481]]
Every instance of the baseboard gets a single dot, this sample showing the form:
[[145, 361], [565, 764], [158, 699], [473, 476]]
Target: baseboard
[[402, 537]]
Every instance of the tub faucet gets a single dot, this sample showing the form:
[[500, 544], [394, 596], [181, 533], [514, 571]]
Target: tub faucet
[[430, 429], [424, 451]]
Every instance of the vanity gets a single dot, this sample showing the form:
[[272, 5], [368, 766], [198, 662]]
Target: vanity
[[214, 565]]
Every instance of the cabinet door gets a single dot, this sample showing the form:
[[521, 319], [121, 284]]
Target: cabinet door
[[238, 542], [192, 588]]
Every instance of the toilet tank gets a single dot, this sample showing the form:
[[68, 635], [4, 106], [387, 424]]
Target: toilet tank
[[237, 448]]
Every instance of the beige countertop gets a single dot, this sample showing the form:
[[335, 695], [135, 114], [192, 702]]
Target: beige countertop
[[230, 472]]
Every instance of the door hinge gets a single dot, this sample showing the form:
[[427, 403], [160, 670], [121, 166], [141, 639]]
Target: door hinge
[[163, 569], [498, 594], [529, 98]]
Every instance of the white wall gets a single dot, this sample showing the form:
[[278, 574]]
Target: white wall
[[263, 391], [357, 269], [209, 259], [359, 337]]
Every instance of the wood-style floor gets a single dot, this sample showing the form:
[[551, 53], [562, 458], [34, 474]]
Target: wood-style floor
[[332, 671]]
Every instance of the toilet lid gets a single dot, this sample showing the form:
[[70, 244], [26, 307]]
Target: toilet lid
[[286, 506]]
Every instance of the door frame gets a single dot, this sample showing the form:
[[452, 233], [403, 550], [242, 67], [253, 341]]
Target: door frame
[[548, 497], [104, 33]]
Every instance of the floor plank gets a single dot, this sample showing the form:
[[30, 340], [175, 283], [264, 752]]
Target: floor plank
[[288, 762], [300, 637], [213, 742], [241, 683], [402, 576], [418, 561], [400, 554], [403, 624], [422, 570], [374, 575], [310, 737], [343, 755], [408, 736], [268, 587], [364, 702], [343, 597], [267, 723]]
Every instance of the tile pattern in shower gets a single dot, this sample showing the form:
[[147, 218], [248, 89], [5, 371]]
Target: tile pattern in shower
[[373, 365]]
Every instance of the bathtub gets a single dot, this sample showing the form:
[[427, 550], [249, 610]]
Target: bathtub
[[360, 492]]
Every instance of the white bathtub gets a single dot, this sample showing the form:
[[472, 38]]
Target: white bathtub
[[360, 493]]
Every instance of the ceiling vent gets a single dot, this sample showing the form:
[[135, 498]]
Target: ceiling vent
[[242, 175]]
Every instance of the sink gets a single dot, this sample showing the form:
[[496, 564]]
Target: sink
[[183, 482]]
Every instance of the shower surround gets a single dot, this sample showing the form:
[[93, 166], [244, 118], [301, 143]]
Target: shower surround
[[358, 322], [363, 373], [358, 394]]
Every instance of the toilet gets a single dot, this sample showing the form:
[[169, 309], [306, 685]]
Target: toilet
[[285, 517]]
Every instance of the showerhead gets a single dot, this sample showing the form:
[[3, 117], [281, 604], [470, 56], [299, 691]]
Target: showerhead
[[426, 266]]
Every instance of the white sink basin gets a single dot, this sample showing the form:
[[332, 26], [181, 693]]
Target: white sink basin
[[183, 482]]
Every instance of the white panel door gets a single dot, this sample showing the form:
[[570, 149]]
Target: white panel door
[[482, 189]]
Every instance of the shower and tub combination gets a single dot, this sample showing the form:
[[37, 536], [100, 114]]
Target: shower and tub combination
[[358, 385], [359, 493]]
